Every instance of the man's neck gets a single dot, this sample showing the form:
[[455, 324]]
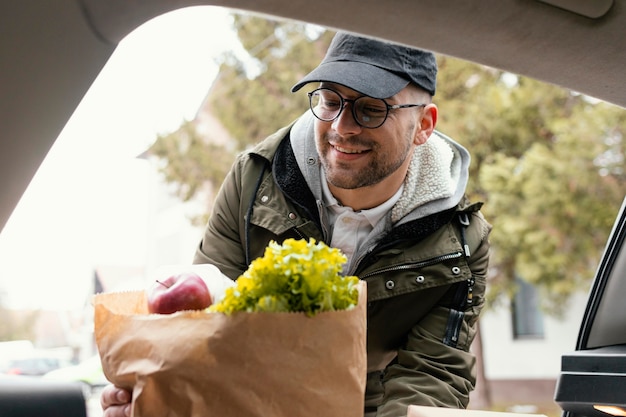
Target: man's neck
[[364, 198]]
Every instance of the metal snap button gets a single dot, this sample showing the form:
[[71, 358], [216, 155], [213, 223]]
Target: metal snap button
[[264, 199]]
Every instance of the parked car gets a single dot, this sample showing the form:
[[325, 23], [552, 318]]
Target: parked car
[[52, 52], [33, 365], [593, 377]]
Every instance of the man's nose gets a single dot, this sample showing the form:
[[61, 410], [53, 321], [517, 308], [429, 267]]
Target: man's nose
[[346, 123]]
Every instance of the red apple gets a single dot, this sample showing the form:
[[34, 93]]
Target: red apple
[[185, 291]]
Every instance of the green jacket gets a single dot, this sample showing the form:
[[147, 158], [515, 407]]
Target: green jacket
[[420, 274]]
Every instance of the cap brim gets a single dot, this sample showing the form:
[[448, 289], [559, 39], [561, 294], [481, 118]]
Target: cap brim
[[366, 79]]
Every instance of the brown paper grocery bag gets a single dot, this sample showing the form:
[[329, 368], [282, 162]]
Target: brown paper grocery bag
[[199, 364]]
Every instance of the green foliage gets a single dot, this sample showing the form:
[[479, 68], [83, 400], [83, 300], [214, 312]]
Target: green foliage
[[544, 161], [547, 162], [193, 163], [253, 107]]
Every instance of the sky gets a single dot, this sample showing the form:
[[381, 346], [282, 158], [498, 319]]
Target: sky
[[86, 205]]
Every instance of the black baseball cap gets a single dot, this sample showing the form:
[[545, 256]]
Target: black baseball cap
[[374, 68]]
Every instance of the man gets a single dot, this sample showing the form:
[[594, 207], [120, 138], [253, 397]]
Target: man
[[366, 172]]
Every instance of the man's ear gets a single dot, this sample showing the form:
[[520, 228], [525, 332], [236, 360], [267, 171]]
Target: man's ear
[[427, 124]]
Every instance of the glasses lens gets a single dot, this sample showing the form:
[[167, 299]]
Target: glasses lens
[[326, 104], [370, 112]]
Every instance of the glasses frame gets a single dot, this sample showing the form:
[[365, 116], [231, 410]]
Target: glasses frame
[[344, 101]]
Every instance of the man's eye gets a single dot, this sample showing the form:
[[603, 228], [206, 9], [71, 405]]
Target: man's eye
[[330, 104], [374, 111]]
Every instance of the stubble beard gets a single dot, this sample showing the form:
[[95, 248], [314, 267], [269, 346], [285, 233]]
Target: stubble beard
[[344, 175]]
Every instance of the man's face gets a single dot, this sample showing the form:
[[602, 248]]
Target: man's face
[[354, 157]]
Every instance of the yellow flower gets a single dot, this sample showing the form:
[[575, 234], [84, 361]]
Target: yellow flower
[[297, 276]]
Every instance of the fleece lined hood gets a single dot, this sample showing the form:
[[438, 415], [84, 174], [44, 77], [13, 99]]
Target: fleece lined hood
[[436, 179]]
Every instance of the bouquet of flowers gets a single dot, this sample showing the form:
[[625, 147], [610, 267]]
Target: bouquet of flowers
[[288, 339]]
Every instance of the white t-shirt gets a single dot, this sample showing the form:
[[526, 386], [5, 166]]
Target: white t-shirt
[[349, 229]]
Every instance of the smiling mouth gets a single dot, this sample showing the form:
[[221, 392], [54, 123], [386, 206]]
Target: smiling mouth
[[349, 151]]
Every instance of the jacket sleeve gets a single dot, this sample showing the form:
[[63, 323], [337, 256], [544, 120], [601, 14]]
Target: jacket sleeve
[[427, 371], [221, 244]]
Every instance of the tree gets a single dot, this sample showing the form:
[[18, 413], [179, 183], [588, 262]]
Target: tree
[[253, 102], [193, 163], [544, 160]]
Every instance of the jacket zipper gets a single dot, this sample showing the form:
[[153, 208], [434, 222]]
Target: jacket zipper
[[416, 265], [296, 231]]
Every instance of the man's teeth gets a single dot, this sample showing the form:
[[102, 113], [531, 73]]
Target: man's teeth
[[344, 150]]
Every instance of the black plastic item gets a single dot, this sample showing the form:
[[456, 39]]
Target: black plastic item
[[592, 377], [595, 374], [35, 397]]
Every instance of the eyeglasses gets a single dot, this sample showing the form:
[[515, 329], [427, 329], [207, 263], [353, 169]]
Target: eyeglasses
[[368, 112]]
